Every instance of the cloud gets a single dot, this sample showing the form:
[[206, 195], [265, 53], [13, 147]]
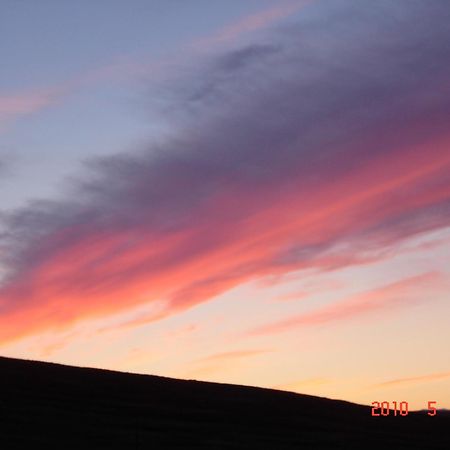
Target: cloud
[[320, 149], [396, 295], [301, 385], [232, 355], [309, 289], [221, 363], [20, 104], [254, 22], [415, 380], [13, 106]]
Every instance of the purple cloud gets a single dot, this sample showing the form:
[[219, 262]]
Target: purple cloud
[[327, 132]]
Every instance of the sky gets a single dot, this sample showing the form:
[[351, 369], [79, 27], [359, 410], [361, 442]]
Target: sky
[[252, 192]]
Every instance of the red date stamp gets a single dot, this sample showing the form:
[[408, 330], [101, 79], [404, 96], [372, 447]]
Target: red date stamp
[[398, 408]]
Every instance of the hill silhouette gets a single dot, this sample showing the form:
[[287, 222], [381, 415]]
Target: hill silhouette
[[63, 407]]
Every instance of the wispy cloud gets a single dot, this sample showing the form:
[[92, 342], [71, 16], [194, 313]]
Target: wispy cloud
[[254, 22], [232, 355], [414, 380], [17, 105], [311, 289], [319, 151], [13, 106], [389, 298], [300, 385], [222, 362]]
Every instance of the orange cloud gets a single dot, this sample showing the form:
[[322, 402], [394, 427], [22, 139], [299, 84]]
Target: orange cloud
[[236, 354], [298, 386], [222, 362], [414, 380]]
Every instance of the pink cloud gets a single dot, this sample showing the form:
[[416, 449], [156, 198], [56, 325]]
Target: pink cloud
[[13, 106], [388, 298], [311, 288], [251, 23], [321, 171], [96, 274]]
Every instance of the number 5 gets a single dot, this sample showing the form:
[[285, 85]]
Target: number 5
[[431, 409]]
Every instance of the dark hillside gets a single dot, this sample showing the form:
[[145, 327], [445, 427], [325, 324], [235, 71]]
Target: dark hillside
[[62, 407]]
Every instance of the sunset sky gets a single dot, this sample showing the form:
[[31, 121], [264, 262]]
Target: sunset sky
[[245, 191]]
